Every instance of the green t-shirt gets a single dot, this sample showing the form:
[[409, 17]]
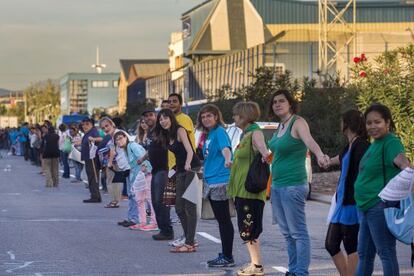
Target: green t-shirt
[[371, 174], [243, 157]]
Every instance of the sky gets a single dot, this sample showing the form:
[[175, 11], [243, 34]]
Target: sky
[[45, 39]]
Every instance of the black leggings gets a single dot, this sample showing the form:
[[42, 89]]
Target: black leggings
[[222, 213], [337, 233]]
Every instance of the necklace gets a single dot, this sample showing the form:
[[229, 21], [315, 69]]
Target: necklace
[[285, 121]]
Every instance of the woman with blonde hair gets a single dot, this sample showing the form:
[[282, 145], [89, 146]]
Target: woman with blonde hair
[[249, 206]]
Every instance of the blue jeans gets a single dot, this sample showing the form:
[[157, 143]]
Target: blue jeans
[[65, 162], [132, 204], [288, 205], [162, 212], [374, 237], [78, 170]]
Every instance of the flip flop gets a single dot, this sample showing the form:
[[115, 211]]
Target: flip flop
[[185, 248]]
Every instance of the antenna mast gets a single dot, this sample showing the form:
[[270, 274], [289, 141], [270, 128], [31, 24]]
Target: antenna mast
[[331, 21]]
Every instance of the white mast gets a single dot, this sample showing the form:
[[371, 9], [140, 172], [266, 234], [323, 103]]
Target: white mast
[[98, 66]]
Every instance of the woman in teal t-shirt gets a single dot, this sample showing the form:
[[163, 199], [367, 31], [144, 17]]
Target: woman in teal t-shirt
[[289, 146], [383, 160], [217, 162]]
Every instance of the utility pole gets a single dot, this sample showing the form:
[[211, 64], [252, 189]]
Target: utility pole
[[333, 20]]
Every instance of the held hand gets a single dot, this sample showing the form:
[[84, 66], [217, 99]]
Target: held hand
[[228, 163], [91, 139], [187, 166], [139, 161], [323, 161], [266, 157]]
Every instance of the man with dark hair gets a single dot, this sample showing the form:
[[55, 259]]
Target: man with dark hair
[[91, 137], [175, 100]]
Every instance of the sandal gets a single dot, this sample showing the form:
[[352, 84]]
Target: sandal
[[185, 248], [112, 204]]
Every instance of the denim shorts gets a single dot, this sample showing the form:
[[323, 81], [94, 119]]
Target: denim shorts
[[215, 192]]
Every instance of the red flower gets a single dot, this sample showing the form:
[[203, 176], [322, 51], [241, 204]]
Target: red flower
[[357, 59], [363, 57], [362, 74]]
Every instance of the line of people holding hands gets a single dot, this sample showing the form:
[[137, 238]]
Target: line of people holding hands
[[166, 140]]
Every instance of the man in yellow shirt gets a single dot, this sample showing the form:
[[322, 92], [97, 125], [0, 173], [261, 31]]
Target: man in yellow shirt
[[176, 101]]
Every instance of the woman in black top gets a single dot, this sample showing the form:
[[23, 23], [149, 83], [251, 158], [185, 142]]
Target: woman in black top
[[51, 157], [174, 137], [344, 223]]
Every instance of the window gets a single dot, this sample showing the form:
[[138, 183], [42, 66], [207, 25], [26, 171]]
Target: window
[[115, 83], [100, 84], [279, 67]]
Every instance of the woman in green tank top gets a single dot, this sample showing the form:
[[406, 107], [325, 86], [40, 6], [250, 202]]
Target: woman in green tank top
[[289, 146]]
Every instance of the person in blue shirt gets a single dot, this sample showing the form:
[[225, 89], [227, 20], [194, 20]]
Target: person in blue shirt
[[217, 162], [344, 223]]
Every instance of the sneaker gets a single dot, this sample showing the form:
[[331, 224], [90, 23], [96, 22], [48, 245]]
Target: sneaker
[[177, 242], [92, 200], [129, 223], [150, 227], [181, 241], [136, 226], [221, 261], [162, 237], [251, 270]]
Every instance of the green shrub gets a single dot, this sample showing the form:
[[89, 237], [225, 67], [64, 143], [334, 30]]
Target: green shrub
[[389, 79]]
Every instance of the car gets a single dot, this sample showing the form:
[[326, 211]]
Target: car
[[268, 129]]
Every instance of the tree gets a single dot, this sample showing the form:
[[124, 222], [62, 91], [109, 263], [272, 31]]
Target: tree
[[389, 79], [43, 101]]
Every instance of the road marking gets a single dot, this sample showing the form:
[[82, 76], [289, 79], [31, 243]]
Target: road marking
[[12, 194], [26, 264], [38, 274], [12, 256], [4, 210], [280, 269], [209, 237]]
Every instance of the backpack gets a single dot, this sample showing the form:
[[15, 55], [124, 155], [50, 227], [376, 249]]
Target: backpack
[[399, 216], [400, 220]]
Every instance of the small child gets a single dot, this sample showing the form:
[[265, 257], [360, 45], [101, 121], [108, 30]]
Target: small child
[[142, 189]]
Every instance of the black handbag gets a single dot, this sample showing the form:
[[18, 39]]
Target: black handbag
[[258, 174]]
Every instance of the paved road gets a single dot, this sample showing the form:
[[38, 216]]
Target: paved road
[[49, 231]]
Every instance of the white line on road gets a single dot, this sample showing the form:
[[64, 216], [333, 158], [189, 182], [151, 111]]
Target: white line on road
[[280, 269], [15, 194], [4, 210], [12, 256], [38, 274], [209, 237], [26, 264]]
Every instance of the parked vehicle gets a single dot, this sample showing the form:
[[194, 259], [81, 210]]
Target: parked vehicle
[[268, 129]]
